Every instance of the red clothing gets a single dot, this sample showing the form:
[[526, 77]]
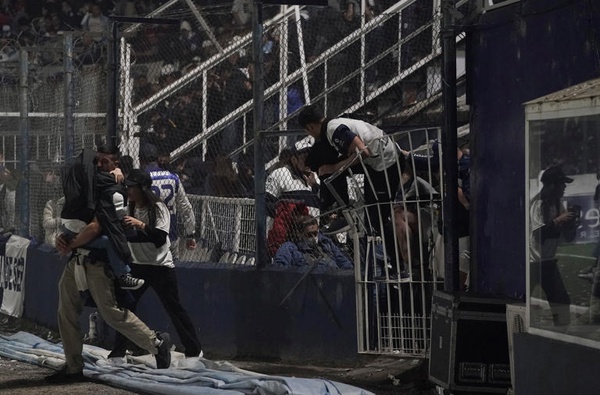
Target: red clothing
[[284, 215]]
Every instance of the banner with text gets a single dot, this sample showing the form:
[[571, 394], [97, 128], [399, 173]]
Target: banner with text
[[12, 275]]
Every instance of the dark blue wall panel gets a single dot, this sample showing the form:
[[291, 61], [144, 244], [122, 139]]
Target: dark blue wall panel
[[235, 308], [516, 54], [547, 366]]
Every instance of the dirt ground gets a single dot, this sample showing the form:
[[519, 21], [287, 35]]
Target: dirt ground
[[20, 378], [381, 375]]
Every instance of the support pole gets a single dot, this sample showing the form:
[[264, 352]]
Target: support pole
[[69, 98], [112, 121], [259, 161], [449, 149], [112, 110], [23, 193]]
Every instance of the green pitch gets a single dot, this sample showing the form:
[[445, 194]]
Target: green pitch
[[572, 258]]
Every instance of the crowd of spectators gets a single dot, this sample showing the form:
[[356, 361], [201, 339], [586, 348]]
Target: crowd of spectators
[[176, 120], [165, 53]]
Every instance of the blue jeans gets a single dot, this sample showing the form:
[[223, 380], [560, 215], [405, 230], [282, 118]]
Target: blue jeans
[[115, 262], [118, 265]]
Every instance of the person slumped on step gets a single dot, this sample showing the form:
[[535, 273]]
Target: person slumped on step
[[308, 247], [413, 219], [87, 269], [430, 162]]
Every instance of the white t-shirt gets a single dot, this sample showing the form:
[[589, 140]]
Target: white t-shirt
[[145, 252], [341, 132], [282, 184], [538, 251]]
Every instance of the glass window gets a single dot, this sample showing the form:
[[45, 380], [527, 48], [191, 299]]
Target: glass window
[[564, 224]]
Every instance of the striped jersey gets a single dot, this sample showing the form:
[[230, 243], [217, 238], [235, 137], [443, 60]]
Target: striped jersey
[[168, 188]]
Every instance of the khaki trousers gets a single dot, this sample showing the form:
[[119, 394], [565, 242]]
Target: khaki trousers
[[70, 305]]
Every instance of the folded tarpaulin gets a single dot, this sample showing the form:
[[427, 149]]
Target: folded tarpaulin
[[185, 376]]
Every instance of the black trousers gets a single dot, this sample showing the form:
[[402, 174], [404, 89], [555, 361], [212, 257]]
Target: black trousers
[[547, 275], [164, 282]]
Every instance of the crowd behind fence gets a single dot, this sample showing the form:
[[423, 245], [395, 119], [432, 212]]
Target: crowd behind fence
[[186, 91], [182, 96]]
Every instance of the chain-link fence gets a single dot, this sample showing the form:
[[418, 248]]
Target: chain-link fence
[[187, 88], [185, 106], [186, 103], [52, 90]]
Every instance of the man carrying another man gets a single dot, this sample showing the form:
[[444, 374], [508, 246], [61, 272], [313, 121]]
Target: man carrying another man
[[87, 268]]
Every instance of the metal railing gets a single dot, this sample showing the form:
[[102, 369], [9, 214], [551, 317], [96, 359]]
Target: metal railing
[[414, 49]]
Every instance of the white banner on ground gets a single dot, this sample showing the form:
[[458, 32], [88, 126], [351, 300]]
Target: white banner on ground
[[12, 275]]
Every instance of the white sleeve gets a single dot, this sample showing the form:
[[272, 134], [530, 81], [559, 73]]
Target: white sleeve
[[185, 211], [273, 184], [50, 219], [163, 217], [120, 206], [536, 218]]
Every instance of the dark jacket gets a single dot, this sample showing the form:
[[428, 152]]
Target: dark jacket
[[78, 184], [107, 214], [88, 193], [325, 254]]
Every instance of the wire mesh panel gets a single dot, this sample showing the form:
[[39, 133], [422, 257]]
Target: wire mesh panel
[[185, 101], [217, 224], [186, 93], [225, 225], [187, 87], [41, 99]]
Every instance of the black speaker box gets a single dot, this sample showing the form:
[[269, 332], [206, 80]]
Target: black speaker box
[[469, 343]]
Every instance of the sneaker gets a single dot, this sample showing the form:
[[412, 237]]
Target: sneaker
[[338, 225], [586, 276], [128, 282], [588, 270], [405, 277], [62, 377], [163, 357], [588, 273], [199, 355]]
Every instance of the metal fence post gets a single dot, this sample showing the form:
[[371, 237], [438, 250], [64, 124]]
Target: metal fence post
[[259, 157], [112, 123], [24, 154], [449, 149], [69, 148]]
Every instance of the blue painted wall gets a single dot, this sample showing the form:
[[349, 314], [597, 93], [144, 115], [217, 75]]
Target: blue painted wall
[[235, 308], [548, 366], [515, 54]]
